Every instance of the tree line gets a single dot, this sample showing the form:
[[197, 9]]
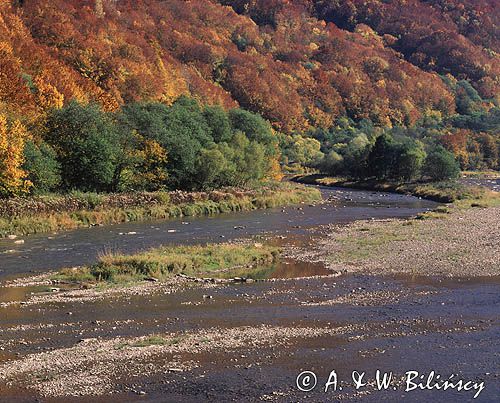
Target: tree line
[[366, 152], [141, 147], [149, 146]]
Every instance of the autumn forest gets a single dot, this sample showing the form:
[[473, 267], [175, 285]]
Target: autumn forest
[[121, 95]]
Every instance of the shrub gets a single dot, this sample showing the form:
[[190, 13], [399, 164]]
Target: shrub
[[441, 164]]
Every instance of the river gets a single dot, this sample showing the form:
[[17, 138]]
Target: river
[[82, 246], [387, 323]]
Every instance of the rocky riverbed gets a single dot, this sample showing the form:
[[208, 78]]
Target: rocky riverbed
[[249, 341], [464, 243], [355, 303]]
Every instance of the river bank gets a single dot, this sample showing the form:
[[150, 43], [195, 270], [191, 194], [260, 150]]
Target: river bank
[[184, 339], [458, 240], [460, 243], [442, 192], [20, 217]]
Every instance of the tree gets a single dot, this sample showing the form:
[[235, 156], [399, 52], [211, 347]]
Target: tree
[[258, 130], [42, 167], [186, 134], [254, 126], [333, 163], [382, 158], [212, 167], [46, 95], [410, 158], [99, 9], [249, 159], [86, 141], [355, 156], [490, 150], [144, 165], [440, 164], [13, 179], [219, 123], [467, 98], [304, 151]]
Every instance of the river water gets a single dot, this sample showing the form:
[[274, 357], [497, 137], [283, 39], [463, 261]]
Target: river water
[[79, 247], [451, 326]]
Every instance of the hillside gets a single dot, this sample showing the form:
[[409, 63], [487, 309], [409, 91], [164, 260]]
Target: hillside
[[330, 77], [299, 63]]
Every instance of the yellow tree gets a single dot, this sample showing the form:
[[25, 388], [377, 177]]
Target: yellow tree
[[99, 9], [12, 176], [47, 96]]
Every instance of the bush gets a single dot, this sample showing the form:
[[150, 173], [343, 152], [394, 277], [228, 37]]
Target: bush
[[441, 165]]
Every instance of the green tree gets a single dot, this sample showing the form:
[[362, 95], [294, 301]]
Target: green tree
[[186, 134], [441, 164], [249, 159], [467, 98], [382, 158], [86, 141], [254, 126], [219, 123], [410, 158], [305, 151], [355, 155], [333, 163], [181, 130], [212, 167], [40, 162]]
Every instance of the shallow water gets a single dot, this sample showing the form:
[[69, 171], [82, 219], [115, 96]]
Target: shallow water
[[451, 326], [493, 184], [446, 325], [79, 247]]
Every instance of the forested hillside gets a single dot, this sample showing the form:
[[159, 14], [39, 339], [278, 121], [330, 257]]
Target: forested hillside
[[314, 69]]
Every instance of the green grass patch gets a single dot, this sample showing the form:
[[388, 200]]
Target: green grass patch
[[362, 247], [214, 261], [150, 341], [56, 213]]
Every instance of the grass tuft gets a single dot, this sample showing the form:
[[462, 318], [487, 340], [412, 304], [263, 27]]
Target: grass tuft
[[215, 261]]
